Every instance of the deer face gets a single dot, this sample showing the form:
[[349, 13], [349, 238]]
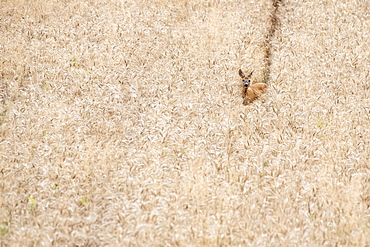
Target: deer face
[[246, 79]]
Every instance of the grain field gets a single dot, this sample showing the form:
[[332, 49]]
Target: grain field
[[122, 123]]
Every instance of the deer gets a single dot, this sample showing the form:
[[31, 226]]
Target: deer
[[251, 92]]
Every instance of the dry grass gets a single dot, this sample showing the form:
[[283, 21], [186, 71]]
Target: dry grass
[[122, 124]]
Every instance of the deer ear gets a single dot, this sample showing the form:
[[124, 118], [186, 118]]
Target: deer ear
[[241, 74], [250, 74]]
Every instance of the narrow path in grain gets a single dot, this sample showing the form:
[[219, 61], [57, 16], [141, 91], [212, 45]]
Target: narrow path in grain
[[274, 25]]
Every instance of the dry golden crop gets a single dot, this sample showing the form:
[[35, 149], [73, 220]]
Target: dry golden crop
[[122, 123]]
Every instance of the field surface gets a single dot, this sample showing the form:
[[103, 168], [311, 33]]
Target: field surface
[[122, 123]]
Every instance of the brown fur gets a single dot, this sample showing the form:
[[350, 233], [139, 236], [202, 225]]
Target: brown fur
[[251, 92]]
